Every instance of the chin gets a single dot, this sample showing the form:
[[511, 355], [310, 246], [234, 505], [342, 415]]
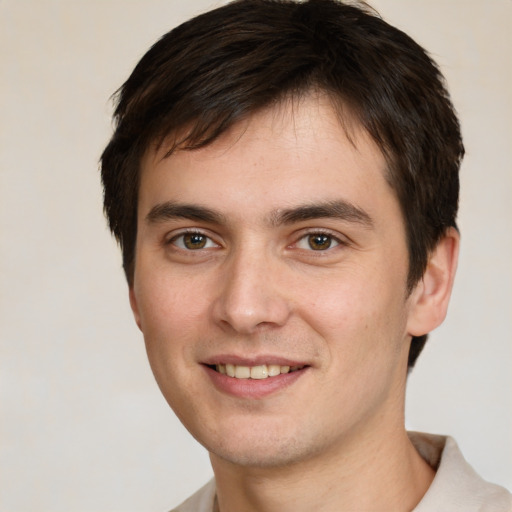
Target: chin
[[265, 455], [262, 447]]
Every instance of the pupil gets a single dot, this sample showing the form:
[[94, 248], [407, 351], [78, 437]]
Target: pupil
[[195, 241], [319, 242]]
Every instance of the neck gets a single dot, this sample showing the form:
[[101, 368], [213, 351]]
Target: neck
[[368, 473]]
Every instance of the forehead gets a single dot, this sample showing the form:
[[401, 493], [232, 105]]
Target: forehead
[[297, 151], [302, 111]]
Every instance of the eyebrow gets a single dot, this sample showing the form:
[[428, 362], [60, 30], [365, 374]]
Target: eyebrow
[[338, 209], [171, 210]]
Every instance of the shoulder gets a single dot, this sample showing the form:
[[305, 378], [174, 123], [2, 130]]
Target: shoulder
[[456, 486], [201, 501]]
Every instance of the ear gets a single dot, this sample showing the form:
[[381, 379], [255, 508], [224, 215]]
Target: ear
[[429, 299], [135, 307]]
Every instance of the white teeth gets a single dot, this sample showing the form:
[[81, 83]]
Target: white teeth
[[273, 370], [254, 372], [242, 372], [259, 372]]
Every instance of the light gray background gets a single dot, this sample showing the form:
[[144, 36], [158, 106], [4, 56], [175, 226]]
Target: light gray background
[[82, 424]]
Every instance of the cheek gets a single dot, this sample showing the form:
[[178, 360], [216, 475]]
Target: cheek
[[169, 322], [363, 332], [166, 301], [358, 315], [338, 304], [170, 314]]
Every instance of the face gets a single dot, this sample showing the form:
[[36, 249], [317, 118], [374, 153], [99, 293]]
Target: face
[[270, 286]]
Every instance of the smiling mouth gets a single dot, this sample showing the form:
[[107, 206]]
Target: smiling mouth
[[259, 372]]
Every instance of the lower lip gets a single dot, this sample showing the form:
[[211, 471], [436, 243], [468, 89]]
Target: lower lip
[[253, 388]]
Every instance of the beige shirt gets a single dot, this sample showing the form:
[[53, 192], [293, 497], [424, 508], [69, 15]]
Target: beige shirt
[[455, 488]]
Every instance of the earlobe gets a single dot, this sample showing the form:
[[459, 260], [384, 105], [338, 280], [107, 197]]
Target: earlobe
[[135, 308], [430, 298]]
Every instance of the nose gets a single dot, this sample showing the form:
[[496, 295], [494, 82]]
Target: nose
[[252, 295]]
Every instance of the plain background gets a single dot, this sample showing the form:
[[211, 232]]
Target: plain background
[[82, 424]]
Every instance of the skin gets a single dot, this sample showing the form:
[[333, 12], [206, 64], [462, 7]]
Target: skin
[[333, 439]]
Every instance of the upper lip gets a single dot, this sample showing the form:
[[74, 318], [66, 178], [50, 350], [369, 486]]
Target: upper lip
[[253, 360]]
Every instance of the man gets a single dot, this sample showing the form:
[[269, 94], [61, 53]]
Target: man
[[283, 181]]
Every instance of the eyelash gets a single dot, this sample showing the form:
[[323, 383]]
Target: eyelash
[[333, 239], [319, 233], [190, 232]]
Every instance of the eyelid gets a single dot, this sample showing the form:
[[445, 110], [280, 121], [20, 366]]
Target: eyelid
[[336, 236], [171, 237]]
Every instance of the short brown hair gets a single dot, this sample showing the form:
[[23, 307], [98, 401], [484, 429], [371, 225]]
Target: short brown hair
[[222, 66]]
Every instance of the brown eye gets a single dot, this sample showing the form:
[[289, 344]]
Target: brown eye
[[193, 241], [319, 242]]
